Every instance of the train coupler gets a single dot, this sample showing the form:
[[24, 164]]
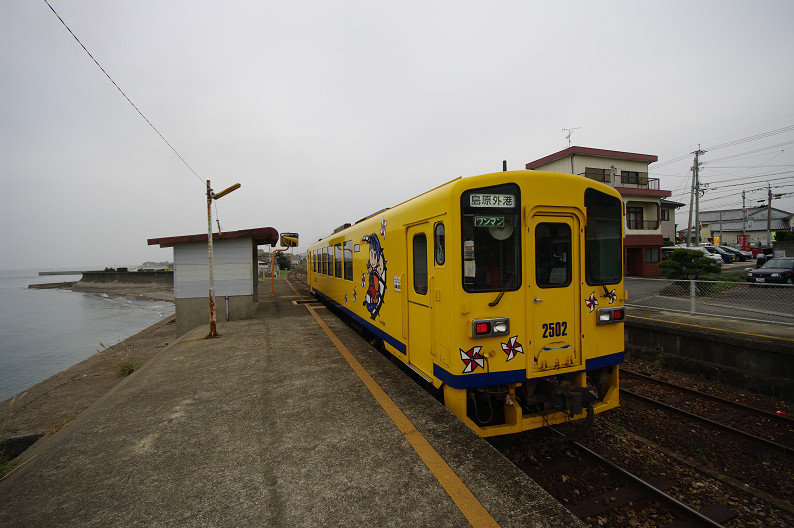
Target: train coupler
[[572, 399]]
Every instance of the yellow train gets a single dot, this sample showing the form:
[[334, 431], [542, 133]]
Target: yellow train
[[503, 289]]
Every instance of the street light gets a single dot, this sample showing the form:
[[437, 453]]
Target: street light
[[212, 196]]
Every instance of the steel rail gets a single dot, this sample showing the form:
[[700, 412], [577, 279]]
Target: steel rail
[[710, 423], [742, 406], [675, 506]]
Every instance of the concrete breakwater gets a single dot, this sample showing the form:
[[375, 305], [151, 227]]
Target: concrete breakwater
[[116, 282], [137, 280]]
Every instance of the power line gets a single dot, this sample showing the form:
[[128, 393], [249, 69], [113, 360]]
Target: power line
[[122, 92], [762, 135], [755, 151]]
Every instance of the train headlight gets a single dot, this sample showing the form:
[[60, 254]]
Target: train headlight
[[611, 315], [490, 327]]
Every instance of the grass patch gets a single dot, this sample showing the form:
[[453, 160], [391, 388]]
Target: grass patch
[[125, 367], [121, 356]]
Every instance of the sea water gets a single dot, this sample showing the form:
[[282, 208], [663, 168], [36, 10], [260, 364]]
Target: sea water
[[45, 331]]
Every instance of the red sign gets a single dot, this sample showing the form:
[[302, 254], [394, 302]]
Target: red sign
[[742, 241]]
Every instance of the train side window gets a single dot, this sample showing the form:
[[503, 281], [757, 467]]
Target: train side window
[[338, 260], [420, 263], [438, 235], [348, 260], [553, 255], [329, 255], [325, 260]]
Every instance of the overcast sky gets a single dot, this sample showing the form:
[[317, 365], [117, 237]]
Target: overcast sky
[[326, 111]]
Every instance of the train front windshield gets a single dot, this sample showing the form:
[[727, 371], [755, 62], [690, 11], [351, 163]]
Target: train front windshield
[[603, 238], [491, 229]]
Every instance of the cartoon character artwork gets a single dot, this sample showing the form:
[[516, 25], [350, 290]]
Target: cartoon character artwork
[[376, 269]]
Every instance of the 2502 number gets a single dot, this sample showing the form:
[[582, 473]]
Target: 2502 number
[[557, 329]]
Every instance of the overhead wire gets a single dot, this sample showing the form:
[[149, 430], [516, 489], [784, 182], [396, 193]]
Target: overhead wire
[[122, 92]]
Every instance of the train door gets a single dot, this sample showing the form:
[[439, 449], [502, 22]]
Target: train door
[[553, 252], [419, 327]]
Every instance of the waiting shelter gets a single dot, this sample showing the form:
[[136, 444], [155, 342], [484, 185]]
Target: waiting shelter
[[235, 274]]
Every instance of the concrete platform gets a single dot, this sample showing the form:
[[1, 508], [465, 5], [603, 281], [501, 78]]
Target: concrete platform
[[752, 355], [269, 426]]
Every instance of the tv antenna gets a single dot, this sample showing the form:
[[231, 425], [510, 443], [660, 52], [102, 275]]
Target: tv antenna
[[570, 132]]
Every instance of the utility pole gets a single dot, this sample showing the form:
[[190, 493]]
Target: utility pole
[[698, 152], [691, 207], [744, 215], [769, 215], [210, 197], [694, 201]]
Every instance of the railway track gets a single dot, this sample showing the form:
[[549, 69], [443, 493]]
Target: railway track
[[651, 460], [714, 515], [764, 428]]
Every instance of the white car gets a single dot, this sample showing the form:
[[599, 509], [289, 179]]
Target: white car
[[715, 257]]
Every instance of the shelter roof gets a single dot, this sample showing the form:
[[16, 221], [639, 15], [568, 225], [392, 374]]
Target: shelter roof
[[261, 236], [671, 203]]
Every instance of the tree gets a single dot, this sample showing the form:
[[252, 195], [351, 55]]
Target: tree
[[283, 261], [688, 264]]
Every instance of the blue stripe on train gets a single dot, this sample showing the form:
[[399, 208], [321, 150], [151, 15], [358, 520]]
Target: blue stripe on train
[[468, 381], [394, 342]]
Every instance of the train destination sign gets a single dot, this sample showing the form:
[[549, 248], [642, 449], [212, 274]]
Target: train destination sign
[[489, 221], [491, 200]]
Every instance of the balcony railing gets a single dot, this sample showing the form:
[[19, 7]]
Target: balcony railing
[[640, 183], [646, 225], [631, 180]]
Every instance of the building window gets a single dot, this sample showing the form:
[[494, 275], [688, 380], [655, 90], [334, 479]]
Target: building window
[[601, 175], [665, 215], [652, 254], [634, 217], [634, 177]]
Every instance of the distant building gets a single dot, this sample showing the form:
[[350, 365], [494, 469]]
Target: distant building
[[727, 224], [643, 199], [667, 220]]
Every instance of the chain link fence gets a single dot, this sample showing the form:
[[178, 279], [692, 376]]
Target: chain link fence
[[755, 302]]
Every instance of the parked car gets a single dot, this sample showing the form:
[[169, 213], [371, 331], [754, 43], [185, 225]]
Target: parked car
[[762, 259], [713, 256], [739, 255], [777, 270], [727, 258]]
